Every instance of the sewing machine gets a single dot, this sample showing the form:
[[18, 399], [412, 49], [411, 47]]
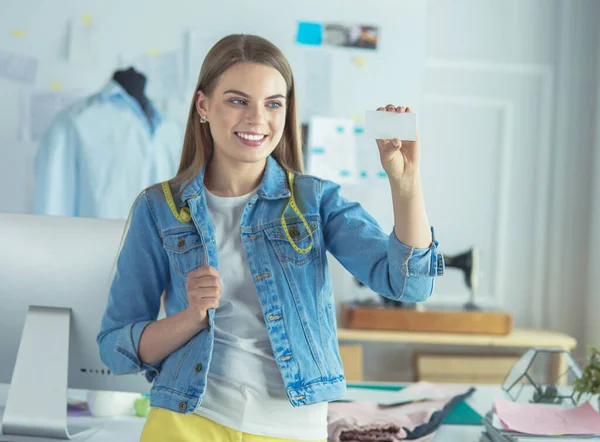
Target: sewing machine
[[387, 314]]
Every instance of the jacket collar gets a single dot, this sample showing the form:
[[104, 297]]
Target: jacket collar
[[273, 185]]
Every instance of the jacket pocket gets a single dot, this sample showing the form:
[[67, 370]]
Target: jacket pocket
[[301, 237], [185, 250]]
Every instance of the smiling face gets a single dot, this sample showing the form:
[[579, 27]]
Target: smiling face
[[246, 112]]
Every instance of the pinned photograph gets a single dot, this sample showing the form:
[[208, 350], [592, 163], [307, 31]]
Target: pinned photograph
[[351, 35]]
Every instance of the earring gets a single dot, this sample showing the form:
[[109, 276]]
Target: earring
[[202, 119]]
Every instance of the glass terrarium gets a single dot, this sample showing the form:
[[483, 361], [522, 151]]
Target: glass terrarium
[[543, 375]]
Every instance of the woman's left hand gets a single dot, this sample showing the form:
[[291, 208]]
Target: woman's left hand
[[400, 159]]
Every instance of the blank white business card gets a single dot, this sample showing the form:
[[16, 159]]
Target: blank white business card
[[388, 125]]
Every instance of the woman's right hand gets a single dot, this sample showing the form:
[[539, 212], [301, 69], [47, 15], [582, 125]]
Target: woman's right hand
[[204, 289]]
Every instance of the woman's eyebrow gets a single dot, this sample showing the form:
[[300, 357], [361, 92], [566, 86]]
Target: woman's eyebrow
[[245, 95], [236, 92]]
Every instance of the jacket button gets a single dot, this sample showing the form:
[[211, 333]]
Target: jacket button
[[181, 242], [198, 368], [293, 232], [182, 406]]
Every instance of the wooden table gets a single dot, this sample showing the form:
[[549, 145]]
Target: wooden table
[[518, 338]]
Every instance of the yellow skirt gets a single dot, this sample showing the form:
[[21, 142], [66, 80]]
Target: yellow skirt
[[167, 426]]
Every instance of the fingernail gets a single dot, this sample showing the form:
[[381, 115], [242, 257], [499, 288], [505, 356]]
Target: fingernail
[[395, 143]]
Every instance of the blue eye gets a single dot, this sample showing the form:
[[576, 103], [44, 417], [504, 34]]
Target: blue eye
[[274, 104], [238, 101]]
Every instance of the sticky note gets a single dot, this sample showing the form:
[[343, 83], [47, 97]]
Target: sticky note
[[17, 32], [153, 52], [359, 61], [310, 33], [388, 125], [358, 130], [356, 117], [56, 85], [86, 19]]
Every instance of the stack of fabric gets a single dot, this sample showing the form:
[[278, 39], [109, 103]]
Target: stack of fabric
[[416, 419]]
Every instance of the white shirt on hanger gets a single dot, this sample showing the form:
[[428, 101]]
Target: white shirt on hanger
[[100, 153]]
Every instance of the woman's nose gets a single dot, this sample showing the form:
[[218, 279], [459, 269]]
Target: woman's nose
[[256, 114]]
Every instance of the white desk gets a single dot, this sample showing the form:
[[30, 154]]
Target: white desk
[[128, 429]]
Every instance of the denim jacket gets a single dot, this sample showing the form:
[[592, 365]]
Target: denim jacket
[[294, 289]]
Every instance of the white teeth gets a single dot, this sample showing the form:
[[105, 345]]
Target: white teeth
[[250, 137]]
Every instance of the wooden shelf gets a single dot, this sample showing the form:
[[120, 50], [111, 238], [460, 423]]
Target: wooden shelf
[[519, 338]]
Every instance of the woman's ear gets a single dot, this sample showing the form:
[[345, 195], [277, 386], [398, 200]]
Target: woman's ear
[[201, 103]]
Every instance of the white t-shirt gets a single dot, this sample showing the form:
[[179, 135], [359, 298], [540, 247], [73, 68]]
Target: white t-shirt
[[245, 390]]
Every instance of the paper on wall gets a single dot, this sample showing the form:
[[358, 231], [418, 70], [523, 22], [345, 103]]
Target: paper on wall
[[39, 108], [319, 82], [197, 45], [332, 149], [81, 36], [163, 71], [18, 67]]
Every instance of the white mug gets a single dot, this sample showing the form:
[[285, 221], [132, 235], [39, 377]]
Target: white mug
[[111, 403]]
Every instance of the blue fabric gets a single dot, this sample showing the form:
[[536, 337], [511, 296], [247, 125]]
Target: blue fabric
[[295, 290], [100, 153]]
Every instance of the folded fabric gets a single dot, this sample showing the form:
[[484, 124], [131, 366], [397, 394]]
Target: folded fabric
[[548, 420], [417, 421]]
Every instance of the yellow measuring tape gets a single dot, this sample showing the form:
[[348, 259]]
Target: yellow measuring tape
[[292, 204], [185, 217]]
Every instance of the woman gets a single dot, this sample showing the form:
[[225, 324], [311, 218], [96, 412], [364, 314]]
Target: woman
[[249, 352]]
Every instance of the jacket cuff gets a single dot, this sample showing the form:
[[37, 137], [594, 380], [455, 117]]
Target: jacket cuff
[[413, 261], [128, 344]]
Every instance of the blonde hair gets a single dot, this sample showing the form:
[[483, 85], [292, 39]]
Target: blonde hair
[[198, 142]]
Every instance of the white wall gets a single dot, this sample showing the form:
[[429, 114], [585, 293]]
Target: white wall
[[510, 113], [519, 75]]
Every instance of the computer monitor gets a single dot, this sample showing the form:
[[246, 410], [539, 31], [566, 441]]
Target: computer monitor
[[55, 274]]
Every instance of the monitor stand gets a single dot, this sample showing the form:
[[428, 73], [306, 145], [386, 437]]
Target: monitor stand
[[37, 397]]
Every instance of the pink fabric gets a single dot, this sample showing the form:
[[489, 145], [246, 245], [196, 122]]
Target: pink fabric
[[368, 422], [548, 419]]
